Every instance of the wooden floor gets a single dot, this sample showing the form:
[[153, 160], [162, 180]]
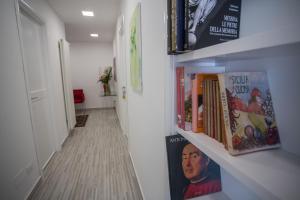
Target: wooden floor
[[93, 164]]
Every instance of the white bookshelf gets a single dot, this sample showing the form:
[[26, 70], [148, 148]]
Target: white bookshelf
[[264, 171], [284, 41], [213, 196], [269, 41]]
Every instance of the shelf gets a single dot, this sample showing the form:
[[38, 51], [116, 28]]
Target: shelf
[[284, 41], [213, 196], [272, 174]]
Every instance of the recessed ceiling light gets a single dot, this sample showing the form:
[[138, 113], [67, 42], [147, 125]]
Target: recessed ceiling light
[[94, 35], [87, 13]]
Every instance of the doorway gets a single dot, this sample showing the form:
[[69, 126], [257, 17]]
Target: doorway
[[64, 53], [122, 76], [32, 37]]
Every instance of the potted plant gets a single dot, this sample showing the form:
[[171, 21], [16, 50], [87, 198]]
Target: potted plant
[[104, 78]]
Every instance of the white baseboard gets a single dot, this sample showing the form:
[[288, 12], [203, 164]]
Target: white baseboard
[[64, 140], [137, 177], [46, 163], [33, 188]]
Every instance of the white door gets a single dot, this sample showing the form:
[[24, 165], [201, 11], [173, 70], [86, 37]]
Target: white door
[[64, 52], [34, 61], [122, 75]]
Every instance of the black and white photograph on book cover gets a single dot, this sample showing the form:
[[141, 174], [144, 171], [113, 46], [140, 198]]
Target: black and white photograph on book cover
[[191, 172], [211, 22]]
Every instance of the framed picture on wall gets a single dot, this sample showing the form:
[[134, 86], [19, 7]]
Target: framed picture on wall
[[136, 50]]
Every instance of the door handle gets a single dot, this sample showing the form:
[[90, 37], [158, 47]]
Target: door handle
[[124, 92], [34, 98]]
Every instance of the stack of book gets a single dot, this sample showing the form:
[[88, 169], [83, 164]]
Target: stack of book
[[233, 108], [197, 24]]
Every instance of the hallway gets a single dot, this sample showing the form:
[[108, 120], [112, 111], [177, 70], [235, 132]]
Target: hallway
[[93, 164]]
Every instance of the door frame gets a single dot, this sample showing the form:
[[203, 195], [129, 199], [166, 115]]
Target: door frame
[[67, 86], [22, 7], [122, 67]]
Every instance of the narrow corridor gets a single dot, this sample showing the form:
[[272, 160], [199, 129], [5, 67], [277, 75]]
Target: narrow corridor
[[93, 164]]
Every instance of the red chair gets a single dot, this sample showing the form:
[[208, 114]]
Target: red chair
[[78, 96]]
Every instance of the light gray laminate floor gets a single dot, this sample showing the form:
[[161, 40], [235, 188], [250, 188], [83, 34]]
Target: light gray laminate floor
[[93, 164]]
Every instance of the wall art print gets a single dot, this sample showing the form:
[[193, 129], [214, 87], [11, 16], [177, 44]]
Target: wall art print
[[136, 50]]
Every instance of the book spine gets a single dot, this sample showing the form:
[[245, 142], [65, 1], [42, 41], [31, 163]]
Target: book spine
[[204, 106], [186, 24], [225, 110], [209, 108], [180, 25], [218, 108], [200, 123], [178, 94], [169, 25], [182, 98], [173, 25], [213, 126], [187, 102], [194, 104]]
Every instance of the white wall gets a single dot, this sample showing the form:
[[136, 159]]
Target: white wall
[[147, 127], [19, 170], [87, 61]]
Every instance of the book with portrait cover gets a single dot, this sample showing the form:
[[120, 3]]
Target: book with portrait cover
[[248, 112], [209, 22], [191, 172]]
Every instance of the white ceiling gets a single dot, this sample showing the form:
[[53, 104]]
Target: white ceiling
[[78, 28]]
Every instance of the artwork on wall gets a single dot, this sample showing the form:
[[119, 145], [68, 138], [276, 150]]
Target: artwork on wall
[[136, 50]]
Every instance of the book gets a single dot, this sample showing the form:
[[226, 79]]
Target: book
[[187, 109], [180, 95], [173, 25], [205, 121], [207, 83], [188, 180], [211, 22], [169, 25], [248, 112], [197, 103], [180, 16]]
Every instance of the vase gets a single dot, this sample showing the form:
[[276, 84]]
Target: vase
[[106, 89]]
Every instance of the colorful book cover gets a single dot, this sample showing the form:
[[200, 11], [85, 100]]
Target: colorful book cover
[[211, 22], [191, 172], [179, 94], [197, 103], [248, 112]]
